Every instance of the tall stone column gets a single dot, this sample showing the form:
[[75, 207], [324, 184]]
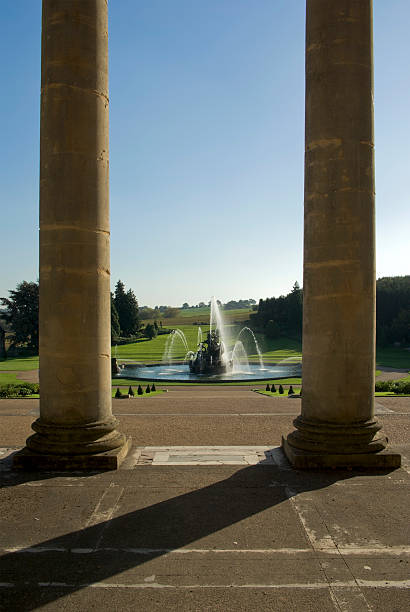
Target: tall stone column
[[76, 428], [337, 426]]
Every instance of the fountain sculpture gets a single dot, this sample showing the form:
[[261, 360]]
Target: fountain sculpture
[[209, 357], [218, 358]]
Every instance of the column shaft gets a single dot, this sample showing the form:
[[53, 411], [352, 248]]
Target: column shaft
[[339, 250], [75, 350]]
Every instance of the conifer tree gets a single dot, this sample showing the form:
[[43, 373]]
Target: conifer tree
[[127, 308]]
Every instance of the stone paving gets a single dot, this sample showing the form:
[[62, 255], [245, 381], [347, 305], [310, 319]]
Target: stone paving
[[204, 525]]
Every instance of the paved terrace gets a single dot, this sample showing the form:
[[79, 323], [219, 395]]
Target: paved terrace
[[224, 524]]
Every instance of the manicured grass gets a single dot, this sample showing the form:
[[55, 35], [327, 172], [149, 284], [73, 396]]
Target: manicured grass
[[393, 357], [126, 382], [9, 378], [153, 350], [21, 364], [277, 394], [136, 396], [278, 349]]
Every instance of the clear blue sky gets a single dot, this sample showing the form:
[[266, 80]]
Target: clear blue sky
[[206, 145]]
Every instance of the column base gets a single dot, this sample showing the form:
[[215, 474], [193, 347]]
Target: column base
[[302, 459], [29, 460]]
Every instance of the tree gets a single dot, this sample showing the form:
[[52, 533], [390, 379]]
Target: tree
[[150, 331], [22, 314], [3, 353], [127, 308], [272, 329], [170, 312], [185, 305], [115, 321], [280, 389]]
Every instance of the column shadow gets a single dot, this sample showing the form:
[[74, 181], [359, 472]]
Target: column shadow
[[59, 566]]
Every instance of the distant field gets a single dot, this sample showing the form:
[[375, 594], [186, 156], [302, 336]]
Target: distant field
[[190, 316]]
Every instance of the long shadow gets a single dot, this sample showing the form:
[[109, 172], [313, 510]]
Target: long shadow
[[59, 566]]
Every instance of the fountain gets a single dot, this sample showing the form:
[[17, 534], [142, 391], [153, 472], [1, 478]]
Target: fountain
[[210, 357], [216, 359]]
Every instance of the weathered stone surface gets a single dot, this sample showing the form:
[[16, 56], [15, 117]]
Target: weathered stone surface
[[309, 460], [28, 460], [339, 256], [75, 344]]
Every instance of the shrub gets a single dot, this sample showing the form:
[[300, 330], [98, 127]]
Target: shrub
[[280, 389], [139, 390], [130, 391], [118, 393], [20, 389], [273, 388], [267, 387], [384, 385], [147, 390], [401, 387], [291, 391], [153, 387]]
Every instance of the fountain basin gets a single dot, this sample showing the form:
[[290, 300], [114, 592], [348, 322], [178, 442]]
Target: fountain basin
[[179, 372]]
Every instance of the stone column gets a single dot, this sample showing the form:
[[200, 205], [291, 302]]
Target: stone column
[[76, 429], [337, 426]]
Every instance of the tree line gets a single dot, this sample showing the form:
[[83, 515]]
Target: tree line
[[275, 317], [280, 316], [231, 305], [283, 316]]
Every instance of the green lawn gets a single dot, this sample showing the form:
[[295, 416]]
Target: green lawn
[[136, 396], [393, 357], [9, 378], [277, 394], [125, 382], [19, 363], [152, 350]]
